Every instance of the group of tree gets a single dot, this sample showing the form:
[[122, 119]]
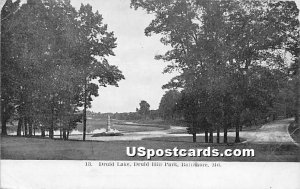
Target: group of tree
[[53, 60], [238, 61]]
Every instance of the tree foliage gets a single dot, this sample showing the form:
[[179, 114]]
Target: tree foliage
[[168, 106], [144, 110], [230, 56], [50, 56]]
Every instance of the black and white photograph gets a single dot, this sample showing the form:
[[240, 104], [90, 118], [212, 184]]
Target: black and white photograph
[[122, 92]]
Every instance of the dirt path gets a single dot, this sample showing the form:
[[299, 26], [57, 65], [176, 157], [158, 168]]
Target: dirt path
[[273, 132]]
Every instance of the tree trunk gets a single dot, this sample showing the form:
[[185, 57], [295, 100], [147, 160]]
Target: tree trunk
[[194, 137], [206, 135], [60, 129], [218, 134], [30, 126], [19, 129], [237, 130], [25, 126], [225, 134], [51, 131], [64, 134], [211, 136], [84, 109], [42, 132], [4, 128]]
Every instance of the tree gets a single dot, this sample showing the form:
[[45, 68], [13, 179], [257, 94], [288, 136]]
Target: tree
[[8, 63], [294, 48], [168, 104], [144, 109], [189, 105], [96, 43], [297, 93]]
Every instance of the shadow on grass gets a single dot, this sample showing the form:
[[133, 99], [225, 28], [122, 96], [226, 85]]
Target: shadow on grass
[[199, 140]]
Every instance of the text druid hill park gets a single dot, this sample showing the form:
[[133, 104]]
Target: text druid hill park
[[151, 164]]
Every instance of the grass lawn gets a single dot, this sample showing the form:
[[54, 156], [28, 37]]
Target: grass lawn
[[46, 149], [189, 139]]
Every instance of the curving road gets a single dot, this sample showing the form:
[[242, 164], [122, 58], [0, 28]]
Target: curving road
[[273, 132]]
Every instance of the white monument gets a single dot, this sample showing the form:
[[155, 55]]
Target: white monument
[[109, 131], [108, 124]]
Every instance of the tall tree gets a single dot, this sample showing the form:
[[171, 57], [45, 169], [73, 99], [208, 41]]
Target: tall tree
[[144, 109], [8, 63], [96, 43]]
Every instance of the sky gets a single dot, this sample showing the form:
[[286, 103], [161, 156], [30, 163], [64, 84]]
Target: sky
[[134, 56]]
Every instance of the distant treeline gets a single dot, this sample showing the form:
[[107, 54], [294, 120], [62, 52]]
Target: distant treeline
[[153, 114]]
